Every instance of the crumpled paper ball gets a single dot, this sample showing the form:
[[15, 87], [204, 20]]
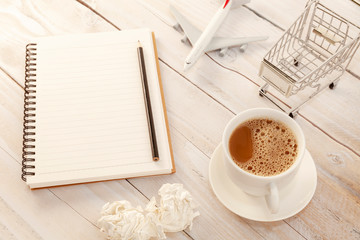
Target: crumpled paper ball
[[121, 221], [176, 210]]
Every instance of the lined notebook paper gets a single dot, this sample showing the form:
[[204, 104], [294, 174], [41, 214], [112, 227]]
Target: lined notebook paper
[[91, 122]]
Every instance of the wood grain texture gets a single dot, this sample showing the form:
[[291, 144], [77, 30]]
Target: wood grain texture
[[199, 104]]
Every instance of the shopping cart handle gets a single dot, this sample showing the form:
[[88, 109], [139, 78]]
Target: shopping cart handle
[[327, 34]]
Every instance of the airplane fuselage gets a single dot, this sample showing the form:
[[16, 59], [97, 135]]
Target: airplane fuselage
[[207, 35]]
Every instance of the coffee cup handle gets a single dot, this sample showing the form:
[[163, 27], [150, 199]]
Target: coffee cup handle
[[272, 199]]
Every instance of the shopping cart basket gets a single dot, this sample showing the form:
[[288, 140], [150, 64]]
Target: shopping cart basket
[[314, 52]]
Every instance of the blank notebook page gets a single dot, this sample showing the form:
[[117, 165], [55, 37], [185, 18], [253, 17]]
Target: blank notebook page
[[90, 114]]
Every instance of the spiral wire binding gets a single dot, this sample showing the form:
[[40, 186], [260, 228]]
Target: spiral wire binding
[[29, 112]]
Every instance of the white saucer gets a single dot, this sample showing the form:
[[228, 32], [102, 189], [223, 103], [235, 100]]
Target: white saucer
[[293, 198]]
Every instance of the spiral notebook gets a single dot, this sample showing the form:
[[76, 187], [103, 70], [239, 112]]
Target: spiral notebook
[[84, 115]]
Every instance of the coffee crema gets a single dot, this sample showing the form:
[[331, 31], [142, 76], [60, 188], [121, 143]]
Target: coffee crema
[[263, 147]]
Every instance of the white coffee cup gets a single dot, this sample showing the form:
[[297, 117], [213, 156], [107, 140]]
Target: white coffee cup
[[262, 186]]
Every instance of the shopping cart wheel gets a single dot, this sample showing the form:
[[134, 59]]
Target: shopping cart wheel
[[294, 113], [296, 62], [178, 28], [261, 93], [332, 85], [243, 47]]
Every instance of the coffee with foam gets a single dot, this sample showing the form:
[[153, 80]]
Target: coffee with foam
[[263, 147]]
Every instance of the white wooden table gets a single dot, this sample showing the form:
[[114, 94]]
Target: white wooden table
[[199, 103]]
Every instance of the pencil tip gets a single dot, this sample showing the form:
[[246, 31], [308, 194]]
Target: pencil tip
[[139, 44]]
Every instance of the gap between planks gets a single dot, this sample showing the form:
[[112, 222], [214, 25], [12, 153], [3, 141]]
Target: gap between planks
[[13, 79]]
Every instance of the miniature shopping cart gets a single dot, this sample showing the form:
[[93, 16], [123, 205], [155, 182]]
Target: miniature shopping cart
[[313, 53]]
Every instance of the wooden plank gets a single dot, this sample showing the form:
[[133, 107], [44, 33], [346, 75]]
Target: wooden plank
[[11, 115], [21, 22], [284, 13], [329, 219], [13, 226], [32, 210]]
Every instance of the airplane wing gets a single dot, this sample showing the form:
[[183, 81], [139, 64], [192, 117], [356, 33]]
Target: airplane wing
[[218, 42], [193, 34], [190, 30]]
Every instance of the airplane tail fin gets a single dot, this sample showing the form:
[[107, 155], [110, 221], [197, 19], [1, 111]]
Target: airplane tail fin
[[239, 3]]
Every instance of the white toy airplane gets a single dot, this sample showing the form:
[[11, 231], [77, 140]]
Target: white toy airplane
[[205, 41]]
